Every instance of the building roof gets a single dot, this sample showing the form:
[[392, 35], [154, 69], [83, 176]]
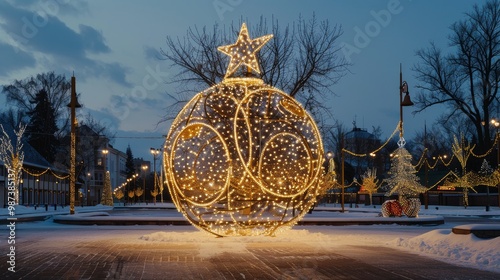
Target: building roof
[[31, 156], [359, 133]]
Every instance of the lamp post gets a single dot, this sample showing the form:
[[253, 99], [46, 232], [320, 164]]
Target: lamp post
[[155, 153], [342, 155], [72, 178], [403, 88], [135, 183], [144, 168], [496, 124], [105, 152], [329, 167], [126, 189], [88, 187], [440, 158]]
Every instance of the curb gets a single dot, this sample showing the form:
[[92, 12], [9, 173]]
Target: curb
[[181, 221]]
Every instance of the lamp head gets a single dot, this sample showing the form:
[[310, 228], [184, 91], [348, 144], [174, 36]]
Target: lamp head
[[77, 105], [407, 101], [404, 89]]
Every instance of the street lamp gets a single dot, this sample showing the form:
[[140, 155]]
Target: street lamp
[[126, 189], [496, 124], [105, 153], [155, 153], [403, 88], [88, 188], [144, 168], [134, 184], [72, 178]]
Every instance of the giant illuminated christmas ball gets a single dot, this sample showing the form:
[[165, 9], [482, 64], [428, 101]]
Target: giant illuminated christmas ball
[[243, 157]]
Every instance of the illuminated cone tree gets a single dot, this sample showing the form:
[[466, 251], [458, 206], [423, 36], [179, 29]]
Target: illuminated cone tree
[[107, 194], [243, 157]]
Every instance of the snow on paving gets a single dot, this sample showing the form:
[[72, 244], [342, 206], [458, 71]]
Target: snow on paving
[[437, 242]]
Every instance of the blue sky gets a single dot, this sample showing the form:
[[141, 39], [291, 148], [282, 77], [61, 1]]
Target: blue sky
[[110, 46]]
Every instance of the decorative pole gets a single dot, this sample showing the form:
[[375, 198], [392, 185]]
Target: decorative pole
[[342, 155], [72, 180], [155, 153], [496, 124]]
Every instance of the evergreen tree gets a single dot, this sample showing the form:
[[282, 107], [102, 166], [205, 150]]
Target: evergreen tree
[[42, 127], [129, 164]]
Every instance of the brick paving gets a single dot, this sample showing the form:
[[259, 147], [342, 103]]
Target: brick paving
[[70, 255]]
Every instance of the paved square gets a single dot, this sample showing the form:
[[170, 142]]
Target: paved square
[[122, 252]]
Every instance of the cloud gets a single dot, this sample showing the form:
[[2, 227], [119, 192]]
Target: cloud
[[67, 7], [102, 117], [10, 60], [152, 53], [92, 40], [39, 31]]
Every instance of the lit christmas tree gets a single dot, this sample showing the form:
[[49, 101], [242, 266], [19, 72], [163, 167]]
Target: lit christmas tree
[[405, 183], [403, 180], [107, 195]]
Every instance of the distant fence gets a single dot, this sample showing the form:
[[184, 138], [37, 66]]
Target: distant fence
[[445, 198]]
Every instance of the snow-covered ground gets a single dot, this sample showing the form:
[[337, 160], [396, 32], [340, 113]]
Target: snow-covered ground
[[437, 242]]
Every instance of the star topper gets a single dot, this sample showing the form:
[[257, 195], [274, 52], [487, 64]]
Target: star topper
[[244, 51]]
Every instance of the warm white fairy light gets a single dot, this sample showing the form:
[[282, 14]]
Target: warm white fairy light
[[243, 52], [13, 157], [243, 157]]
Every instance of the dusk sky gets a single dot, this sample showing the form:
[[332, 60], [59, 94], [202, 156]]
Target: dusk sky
[[111, 47]]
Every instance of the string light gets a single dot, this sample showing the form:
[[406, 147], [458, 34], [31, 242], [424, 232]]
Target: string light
[[45, 171], [243, 157]]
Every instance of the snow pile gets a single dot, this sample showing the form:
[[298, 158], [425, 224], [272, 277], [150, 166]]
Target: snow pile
[[467, 250]]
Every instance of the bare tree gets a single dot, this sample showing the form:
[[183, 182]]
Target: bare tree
[[20, 92], [13, 117], [435, 141], [333, 139], [303, 59], [467, 80]]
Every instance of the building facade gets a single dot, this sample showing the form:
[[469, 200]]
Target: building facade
[[41, 183]]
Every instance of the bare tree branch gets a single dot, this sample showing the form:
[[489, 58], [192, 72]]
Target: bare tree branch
[[303, 59], [467, 80]]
